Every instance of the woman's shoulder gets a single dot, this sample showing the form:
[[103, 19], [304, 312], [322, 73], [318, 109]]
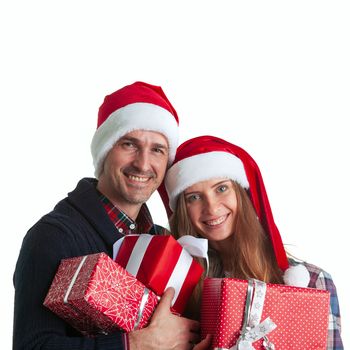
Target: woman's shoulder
[[319, 278]]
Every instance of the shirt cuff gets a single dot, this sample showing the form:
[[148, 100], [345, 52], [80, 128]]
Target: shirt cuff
[[125, 338]]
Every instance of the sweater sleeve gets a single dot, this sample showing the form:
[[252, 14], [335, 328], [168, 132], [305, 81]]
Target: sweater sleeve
[[36, 327]]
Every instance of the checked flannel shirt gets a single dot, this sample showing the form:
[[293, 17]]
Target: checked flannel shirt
[[322, 280], [126, 225]]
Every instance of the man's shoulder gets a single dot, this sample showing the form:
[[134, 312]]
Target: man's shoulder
[[84, 186], [75, 207], [66, 218], [51, 226]]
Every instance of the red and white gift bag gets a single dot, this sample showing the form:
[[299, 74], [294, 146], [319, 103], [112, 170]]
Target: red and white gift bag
[[161, 261], [96, 295], [253, 315]]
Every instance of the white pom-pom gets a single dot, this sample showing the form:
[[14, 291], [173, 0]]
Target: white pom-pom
[[297, 276]]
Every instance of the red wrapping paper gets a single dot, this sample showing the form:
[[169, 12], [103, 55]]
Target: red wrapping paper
[[96, 295], [160, 259], [301, 314]]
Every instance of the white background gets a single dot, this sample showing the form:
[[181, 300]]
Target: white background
[[270, 76]]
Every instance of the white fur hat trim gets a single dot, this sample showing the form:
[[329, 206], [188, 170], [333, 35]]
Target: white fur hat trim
[[201, 167]]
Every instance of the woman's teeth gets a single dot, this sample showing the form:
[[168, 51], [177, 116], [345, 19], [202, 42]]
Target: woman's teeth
[[217, 221]]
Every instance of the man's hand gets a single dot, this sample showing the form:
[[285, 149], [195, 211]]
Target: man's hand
[[167, 331], [204, 344]]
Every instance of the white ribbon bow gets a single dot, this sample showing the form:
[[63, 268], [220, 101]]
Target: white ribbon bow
[[196, 247], [246, 341]]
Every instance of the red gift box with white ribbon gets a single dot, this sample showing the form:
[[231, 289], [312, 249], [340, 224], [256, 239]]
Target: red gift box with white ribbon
[[160, 262], [253, 315], [96, 295]]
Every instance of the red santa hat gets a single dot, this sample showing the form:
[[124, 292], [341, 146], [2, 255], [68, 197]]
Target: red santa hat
[[207, 157], [138, 106]]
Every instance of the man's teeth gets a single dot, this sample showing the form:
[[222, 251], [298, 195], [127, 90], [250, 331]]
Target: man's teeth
[[139, 179], [217, 221]]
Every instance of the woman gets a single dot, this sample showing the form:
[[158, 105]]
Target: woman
[[215, 190]]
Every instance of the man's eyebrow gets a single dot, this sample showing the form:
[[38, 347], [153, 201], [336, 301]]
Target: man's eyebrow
[[128, 138], [137, 141], [160, 145]]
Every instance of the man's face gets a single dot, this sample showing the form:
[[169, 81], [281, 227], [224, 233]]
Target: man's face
[[134, 168]]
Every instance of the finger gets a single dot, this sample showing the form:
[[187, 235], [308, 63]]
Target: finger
[[194, 326], [167, 296], [194, 338], [204, 344], [165, 301]]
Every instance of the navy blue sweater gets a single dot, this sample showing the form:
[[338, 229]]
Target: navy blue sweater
[[77, 226]]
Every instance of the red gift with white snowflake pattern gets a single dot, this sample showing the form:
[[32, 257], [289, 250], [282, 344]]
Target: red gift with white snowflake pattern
[[252, 315], [160, 262], [96, 295]]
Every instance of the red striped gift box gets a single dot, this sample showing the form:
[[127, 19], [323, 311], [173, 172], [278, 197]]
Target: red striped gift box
[[160, 262]]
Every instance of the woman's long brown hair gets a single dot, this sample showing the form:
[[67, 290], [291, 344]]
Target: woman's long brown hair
[[251, 254]]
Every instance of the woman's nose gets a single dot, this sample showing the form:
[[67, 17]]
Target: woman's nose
[[212, 206]]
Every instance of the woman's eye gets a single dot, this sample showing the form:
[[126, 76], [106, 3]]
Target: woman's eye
[[192, 198], [222, 188]]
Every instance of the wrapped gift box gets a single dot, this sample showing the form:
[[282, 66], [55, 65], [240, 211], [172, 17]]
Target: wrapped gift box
[[300, 314], [160, 262], [96, 295]]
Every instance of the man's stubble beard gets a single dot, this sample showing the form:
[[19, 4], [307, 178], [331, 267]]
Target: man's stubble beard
[[137, 197]]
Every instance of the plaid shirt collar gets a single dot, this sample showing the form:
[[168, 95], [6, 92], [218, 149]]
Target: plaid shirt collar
[[123, 223]]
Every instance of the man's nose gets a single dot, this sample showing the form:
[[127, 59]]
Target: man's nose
[[142, 161]]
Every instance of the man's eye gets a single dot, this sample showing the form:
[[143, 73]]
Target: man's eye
[[128, 144], [159, 150]]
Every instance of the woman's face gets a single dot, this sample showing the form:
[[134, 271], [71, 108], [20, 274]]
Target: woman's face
[[212, 206]]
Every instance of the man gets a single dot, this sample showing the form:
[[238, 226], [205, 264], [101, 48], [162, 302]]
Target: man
[[135, 141]]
